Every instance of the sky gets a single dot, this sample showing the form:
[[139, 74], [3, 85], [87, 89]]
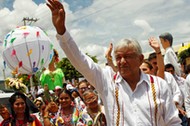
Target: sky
[[95, 23]]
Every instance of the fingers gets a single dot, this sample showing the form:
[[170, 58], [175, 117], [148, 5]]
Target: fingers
[[152, 40], [54, 4], [111, 46], [50, 4], [58, 4], [61, 12], [51, 8]]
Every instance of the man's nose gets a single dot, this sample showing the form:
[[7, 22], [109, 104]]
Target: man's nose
[[123, 60]]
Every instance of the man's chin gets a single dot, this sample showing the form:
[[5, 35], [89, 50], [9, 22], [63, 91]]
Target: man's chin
[[124, 71]]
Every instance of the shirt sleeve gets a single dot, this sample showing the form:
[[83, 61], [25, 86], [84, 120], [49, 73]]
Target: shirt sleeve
[[83, 63], [175, 91], [170, 57], [170, 112], [187, 96]]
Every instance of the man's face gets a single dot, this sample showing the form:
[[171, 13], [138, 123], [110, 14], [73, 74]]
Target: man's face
[[164, 43], [128, 62], [82, 88], [154, 65], [170, 70]]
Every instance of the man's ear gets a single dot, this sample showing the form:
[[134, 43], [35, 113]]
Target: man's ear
[[141, 58]]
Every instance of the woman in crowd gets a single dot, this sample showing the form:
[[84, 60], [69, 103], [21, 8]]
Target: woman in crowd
[[41, 106], [146, 67], [95, 110], [66, 114], [20, 112], [4, 112]]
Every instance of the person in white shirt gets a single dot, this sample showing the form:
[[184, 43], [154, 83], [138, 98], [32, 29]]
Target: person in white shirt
[[173, 86], [180, 80], [130, 97], [170, 56], [187, 93], [181, 83], [157, 63]]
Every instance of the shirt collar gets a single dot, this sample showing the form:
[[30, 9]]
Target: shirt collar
[[143, 78]]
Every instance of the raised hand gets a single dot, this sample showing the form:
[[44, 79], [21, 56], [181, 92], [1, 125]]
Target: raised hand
[[58, 15], [154, 43], [109, 50]]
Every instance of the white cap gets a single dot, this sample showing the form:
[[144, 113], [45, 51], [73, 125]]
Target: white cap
[[40, 91], [51, 92], [39, 98], [57, 87], [69, 87]]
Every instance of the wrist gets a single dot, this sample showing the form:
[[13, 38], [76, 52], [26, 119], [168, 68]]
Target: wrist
[[158, 52], [46, 117], [109, 57], [61, 31]]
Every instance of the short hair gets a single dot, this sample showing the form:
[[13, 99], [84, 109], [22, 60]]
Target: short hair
[[152, 56], [87, 92], [169, 65], [128, 43], [167, 36], [82, 81], [149, 64]]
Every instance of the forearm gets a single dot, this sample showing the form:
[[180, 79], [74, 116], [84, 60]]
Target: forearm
[[84, 64], [171, 114], [160, 63], [111, 64], [46, 120]]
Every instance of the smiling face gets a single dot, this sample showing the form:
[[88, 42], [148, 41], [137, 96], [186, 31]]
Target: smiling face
[[19, 106], [91, 100], [65, 100]]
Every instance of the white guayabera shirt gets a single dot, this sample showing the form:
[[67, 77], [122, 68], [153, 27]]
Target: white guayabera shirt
[[136, 108]]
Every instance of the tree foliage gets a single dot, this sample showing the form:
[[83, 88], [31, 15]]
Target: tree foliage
[[69, 71]]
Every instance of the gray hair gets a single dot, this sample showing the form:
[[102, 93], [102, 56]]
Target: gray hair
[[128, 43]]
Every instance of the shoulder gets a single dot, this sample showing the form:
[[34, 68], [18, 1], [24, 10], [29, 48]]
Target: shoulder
[[188, 77], [160, 83], [187, 80], [36, 121], [169, 49], [33, 116], [156, 80], [5, 122], [168, 77]]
